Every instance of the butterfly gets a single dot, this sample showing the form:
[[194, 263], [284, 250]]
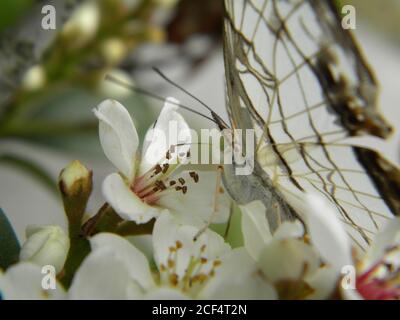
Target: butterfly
[[297, 78], [301, 82]]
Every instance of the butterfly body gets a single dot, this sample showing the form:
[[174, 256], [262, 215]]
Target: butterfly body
[[245, 188], [257, 186]]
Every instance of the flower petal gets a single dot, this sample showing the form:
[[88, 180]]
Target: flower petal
[[130, 255], [144, 243], [237, 278], [255, 228], [197, 205], [165, 294], [323, 282], [288, 259], [45, 245], [289, 229], [326, 231], [168, 231], [23, 281], [102, 275], [170, 129], [118, 136], [113, 270], [125, 202]]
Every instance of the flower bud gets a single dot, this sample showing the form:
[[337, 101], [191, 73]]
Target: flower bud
[[75, 179], [83, 24], [113, 50], [45, 245], [34, 78], [75, 183]]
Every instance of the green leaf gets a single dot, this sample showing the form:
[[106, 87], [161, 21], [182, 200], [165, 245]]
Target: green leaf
[[9, 245], [32, 168]]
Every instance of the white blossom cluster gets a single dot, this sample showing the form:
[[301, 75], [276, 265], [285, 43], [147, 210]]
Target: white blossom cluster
[[181, 259]]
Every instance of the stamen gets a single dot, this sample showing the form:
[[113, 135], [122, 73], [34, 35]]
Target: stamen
[[216, 263], [160, 185], [144, 181], [194, 176], [165, 168], [373, 284], [157, 169], [194, 277], [171, 263], [154, 184], [150, 199], [173, 279]]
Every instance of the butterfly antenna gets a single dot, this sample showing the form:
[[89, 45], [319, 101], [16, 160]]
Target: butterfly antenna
[[134, 88], [217, 119], [162, 75]]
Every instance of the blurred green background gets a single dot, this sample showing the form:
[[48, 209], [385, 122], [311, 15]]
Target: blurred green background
[[50, 80]]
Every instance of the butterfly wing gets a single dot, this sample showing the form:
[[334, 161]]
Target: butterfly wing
[[300, 80]]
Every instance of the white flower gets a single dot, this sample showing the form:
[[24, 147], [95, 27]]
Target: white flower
[[205, 268], [285, 258], [23, 281], [377, 271], [323, 226], [45, 245], [143, 190]]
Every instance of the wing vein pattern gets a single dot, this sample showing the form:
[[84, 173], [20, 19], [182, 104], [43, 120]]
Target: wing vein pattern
[[303, 84]]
